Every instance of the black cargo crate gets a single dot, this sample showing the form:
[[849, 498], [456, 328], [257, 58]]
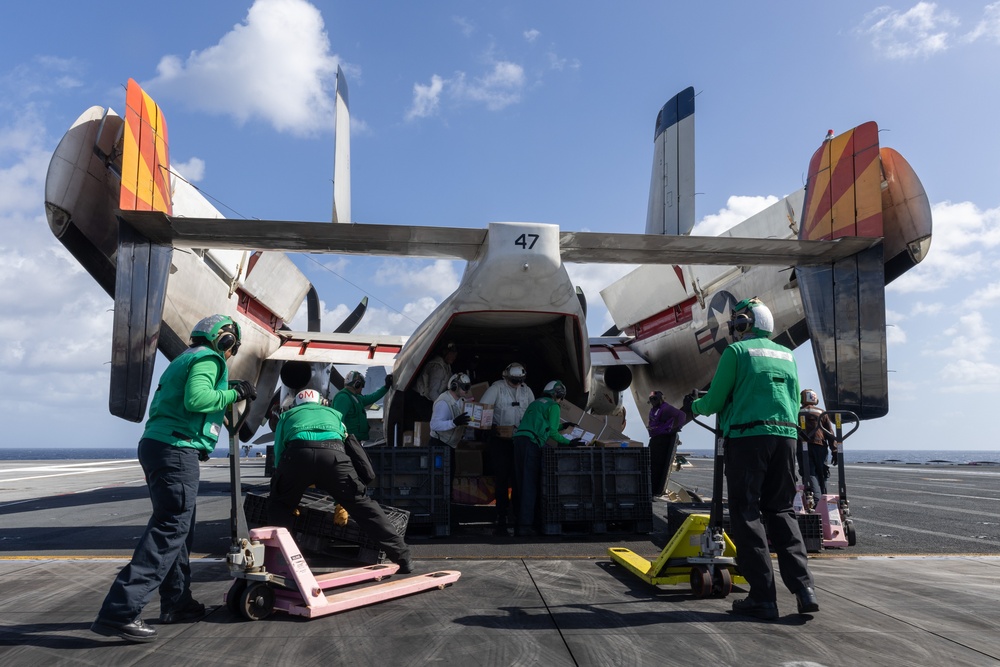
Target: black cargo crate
[[571, 488], [626, 486], [417, 479], [811, 527], [314, 528]]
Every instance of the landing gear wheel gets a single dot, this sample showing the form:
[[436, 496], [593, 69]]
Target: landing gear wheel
[[722, 582], [852, 537], [233, 595], [701, 581], [257, 601]]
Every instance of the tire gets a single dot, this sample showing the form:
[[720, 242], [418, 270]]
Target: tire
[[257, 601]]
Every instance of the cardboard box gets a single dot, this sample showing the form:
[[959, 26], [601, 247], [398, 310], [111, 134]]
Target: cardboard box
[[407, 438], [623, 442], [480, 415], [506, 431], [477, 390], [421, 434], [473, 490], [468, 463], [588, 427]]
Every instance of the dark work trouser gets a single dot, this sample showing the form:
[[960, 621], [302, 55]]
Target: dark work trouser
[[760, 471], [527, 480], [332, 471], [501, 454], [820, 471], [661, 453], [161, 559]]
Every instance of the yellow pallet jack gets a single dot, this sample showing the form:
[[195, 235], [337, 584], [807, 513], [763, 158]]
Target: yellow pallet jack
[[699, 553]]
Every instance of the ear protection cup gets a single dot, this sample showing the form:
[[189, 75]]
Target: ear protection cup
[[742, 323], [453, 385], [225, 341]]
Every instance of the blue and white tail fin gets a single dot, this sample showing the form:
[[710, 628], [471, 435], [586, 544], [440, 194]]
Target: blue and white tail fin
[[671, 187]]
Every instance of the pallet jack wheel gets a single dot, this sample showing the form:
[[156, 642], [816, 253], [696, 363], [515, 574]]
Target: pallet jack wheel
[[701, 581], [852, 536], [233, 595], [257, 601], [722, 582]]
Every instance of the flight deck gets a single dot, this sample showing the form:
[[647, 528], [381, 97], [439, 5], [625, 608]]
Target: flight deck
[[919, 588]]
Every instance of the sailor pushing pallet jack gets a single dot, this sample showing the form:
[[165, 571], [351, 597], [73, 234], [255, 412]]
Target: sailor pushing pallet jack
[[270, 573]]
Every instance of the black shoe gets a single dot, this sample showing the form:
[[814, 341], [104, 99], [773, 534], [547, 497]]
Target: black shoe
[[191, 611], [500, 530], [806, 598], [132, 631], [526, 531], [406, 566], [767, 611]]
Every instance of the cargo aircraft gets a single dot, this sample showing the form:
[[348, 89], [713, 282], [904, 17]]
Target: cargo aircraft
[[820, 259]]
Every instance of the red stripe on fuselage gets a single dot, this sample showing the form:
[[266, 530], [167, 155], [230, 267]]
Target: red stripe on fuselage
[[664, 320], [256, 311]]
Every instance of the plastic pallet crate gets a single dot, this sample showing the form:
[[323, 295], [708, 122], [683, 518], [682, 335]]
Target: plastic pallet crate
[[574, 528], [571, 487], [417, 479], [811, 527]]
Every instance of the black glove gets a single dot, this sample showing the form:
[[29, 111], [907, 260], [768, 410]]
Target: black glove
[[462, 419], [566, 425], [835, 457], [202, 455], [688, 401], [244, 390], [388, 380], [577, 442]]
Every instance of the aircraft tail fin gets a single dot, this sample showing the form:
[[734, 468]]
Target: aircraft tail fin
[[845, 302], [671, 187], [141, 266], [342, 154]]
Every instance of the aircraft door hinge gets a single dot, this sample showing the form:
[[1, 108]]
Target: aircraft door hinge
[[698, 292]]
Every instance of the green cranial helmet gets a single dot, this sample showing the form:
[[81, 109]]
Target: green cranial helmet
[[751, 319], [219, 332]]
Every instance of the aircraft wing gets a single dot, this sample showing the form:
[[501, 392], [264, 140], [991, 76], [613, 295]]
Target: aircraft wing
[[466, 243], [338, 348], [613, 352]]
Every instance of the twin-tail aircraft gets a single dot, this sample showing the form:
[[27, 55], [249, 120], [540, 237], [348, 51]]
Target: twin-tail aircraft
[[820, 259]]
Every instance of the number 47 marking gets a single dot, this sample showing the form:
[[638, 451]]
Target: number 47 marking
[[526, 241]]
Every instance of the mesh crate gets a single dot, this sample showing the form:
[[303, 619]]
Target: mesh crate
[[811, 527], [571, 486], [417, 479], [625, 485]]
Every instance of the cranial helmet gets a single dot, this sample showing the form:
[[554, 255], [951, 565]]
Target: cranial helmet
[[354, 379], [555, 389], [307, 396], [751, 319], [515, 373], [655, 396], [809, 397], [459, 382], [220, 332]]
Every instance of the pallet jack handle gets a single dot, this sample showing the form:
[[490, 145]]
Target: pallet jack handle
[[839, 417], [237, 517], [715, 520]]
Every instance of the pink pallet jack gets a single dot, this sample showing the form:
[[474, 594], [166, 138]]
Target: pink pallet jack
[[833, 508], [271, 574]]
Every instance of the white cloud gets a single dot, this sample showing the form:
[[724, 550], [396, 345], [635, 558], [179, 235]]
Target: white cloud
[[192, 171], [465, 25], [922, 30], [738, 208], [965, 376], [437, 278], [497, 89], [531, 35], [275, 66], [989, 26], [426, 99]]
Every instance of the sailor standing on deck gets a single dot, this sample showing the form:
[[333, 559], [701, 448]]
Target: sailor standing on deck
[[352, 404], [510, 397], [185, 419], [756, 393], [665, 422], [448, 418]]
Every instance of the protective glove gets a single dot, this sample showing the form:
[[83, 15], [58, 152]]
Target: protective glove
[[688, 401], [388, 380], [462, 419], [244, 390], [566, 425], [202, 455], [577, 442], [835, 457]]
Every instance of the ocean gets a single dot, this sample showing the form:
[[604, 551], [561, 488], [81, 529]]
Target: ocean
[[886, 456]]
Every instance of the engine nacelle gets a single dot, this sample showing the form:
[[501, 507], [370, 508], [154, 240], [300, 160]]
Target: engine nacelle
[[606, 387]]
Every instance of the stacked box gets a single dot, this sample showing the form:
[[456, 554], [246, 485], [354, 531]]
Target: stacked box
[[314, 528], [417, 479]]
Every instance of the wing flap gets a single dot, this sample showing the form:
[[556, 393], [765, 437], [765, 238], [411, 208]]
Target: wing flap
[[613, 352], [351, 349]]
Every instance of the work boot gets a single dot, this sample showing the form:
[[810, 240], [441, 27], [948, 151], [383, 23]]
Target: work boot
[[767, 611], [406, 566], [131, 631], [190, 611], [806, 598]]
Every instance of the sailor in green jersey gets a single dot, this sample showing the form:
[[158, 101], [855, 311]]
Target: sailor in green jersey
[[539, 425], [309, 449], [185, 419], [755, 392], [351, 403]]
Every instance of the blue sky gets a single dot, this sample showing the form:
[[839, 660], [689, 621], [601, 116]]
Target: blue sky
[[465, 113]]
